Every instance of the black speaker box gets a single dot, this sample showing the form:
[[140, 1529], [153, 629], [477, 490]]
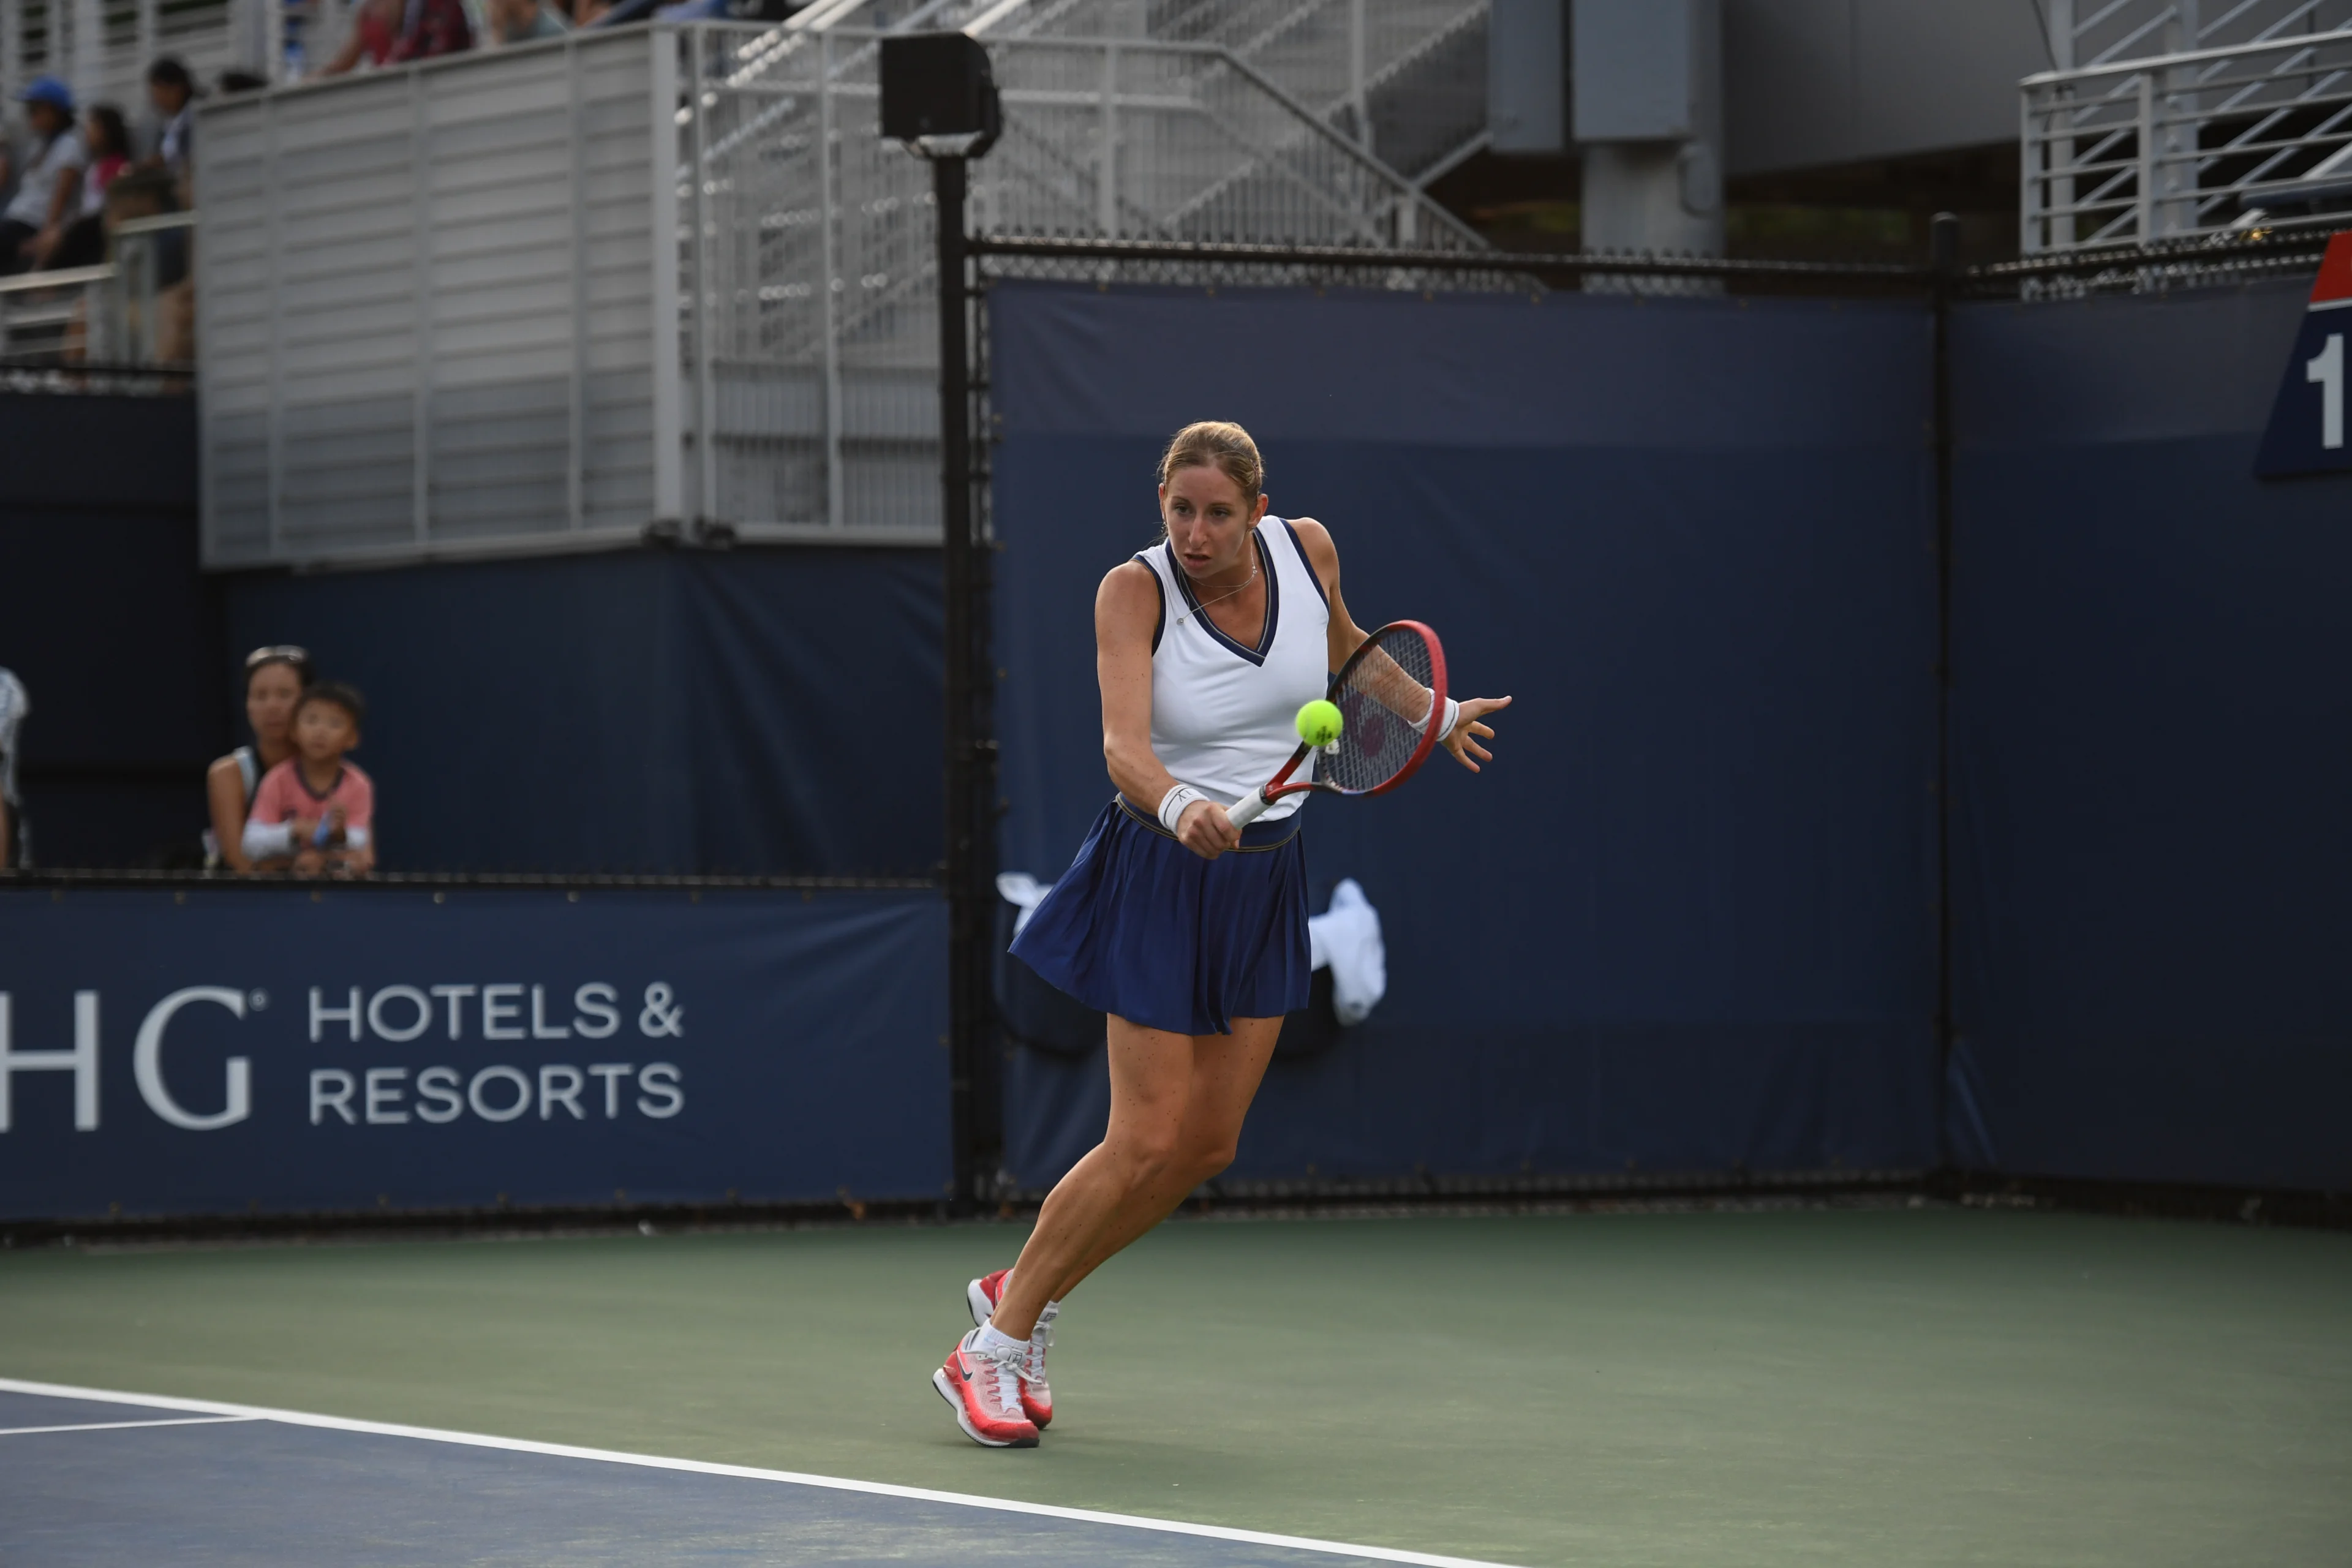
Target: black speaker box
[[936, 84]]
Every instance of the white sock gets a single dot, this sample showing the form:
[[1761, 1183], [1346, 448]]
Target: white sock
[[991, 1338]]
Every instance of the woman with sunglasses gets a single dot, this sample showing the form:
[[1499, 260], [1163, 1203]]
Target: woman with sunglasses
[[274, 679]]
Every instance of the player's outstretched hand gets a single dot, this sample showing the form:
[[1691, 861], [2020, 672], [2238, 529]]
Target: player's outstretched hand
[[1206, 830], [1467, 732]]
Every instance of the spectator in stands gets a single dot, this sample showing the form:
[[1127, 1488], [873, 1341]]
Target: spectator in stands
[[315, 813], [48, 195], [15, 854], [393, 32], [149, 193], [171, 94], [522, 21], [274, 679], [107, 142]]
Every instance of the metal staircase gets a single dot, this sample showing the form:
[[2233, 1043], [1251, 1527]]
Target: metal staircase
[[808, 325], [2180, 120]]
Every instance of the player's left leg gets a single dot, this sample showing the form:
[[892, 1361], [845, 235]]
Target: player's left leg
[[1227, 1073]]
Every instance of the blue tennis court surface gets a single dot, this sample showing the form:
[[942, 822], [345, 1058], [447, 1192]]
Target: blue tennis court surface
[[103, 1478]]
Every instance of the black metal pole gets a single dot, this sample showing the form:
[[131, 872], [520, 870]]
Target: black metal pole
[[1944, 254], [970, 749]]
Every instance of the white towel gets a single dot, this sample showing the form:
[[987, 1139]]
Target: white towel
[[1024, 892], [1347, 938]]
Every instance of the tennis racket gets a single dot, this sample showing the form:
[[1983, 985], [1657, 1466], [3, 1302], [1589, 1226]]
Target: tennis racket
[[1391, 699]]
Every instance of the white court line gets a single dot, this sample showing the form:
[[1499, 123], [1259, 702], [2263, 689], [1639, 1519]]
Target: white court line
[[741, 1472], [124, 1425]]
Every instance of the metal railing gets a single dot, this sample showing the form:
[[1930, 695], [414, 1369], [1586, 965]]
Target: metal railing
[[2200, 142], [103, 48], [550, 297], [112, 314], [2086, 33]]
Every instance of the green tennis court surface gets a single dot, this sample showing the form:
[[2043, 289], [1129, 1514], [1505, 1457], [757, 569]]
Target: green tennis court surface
[[1875, 1386]]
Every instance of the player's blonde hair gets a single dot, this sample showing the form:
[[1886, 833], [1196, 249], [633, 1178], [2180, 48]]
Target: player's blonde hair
[[1216, 444]]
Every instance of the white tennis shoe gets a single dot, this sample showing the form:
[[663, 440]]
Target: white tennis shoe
[[1037, 1394]]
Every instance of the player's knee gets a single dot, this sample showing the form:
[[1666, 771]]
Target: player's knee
[[1211, 1160], [1150, 1157]]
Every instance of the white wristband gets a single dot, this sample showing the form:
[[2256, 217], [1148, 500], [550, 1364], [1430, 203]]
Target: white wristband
[[1452, 716], [1172, 805]]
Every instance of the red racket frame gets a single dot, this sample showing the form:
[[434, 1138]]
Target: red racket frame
[[1250, 806]]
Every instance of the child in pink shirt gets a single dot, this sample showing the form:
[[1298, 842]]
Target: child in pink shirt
[[315, 812]]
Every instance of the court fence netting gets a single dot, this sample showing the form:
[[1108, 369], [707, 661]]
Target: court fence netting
[[983, 1179]]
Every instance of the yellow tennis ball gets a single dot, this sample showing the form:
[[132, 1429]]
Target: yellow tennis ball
[[1319, 723]]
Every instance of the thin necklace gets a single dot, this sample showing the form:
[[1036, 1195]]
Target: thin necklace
[[1220, 598]]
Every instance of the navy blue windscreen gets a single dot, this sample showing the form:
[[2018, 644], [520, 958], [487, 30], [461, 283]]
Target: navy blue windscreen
[[2152, 733], [750, 711], [106, 619], [469, 1047], [1686, 919]]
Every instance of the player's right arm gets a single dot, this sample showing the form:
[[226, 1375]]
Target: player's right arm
[[1127, 610]]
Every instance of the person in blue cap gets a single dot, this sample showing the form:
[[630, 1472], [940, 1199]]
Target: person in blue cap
[[48, 197]]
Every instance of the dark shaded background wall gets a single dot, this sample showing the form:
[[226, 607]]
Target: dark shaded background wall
[[1686, 921], [648, 710], [105, 617], [2152, 739]]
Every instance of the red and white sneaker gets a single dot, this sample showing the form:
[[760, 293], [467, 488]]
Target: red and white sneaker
[[1037, 1394], [983, 1389]]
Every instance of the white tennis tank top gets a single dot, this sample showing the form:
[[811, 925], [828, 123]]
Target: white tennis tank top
[[1224, 715]]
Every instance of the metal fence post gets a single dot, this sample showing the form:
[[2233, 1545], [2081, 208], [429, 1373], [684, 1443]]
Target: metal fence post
[[1106, 171], [150, 33], [1358, 104], [420, 214], [705, 301], [970, 749], [2146, 205], [275, 484], [668, 369], [12, 41], [89, 56], [576, 477], [828, 269], [1944, 261]]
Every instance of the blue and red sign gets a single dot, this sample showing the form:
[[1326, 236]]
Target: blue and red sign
[[2307, 432]]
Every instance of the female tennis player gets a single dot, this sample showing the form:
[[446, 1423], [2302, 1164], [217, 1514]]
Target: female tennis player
[[1188, 932]]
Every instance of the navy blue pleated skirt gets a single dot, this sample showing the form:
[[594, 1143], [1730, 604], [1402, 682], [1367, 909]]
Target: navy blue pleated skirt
[[1142, 927]]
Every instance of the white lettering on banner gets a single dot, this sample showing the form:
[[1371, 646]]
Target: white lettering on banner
[[660, 1018], [661, 1078], [320, 1015], [538, 1029], [456, 993], [81, 1061], [473, 1096], [594, 999], [147, 1059], [439, 1084], [381, 1096], [384, 1089], [414, 998], [612, 1073], [568, 1095], [331, 1090], [494, 1011]]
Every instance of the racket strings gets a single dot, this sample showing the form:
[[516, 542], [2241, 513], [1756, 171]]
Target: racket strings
[[1385, 701]]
